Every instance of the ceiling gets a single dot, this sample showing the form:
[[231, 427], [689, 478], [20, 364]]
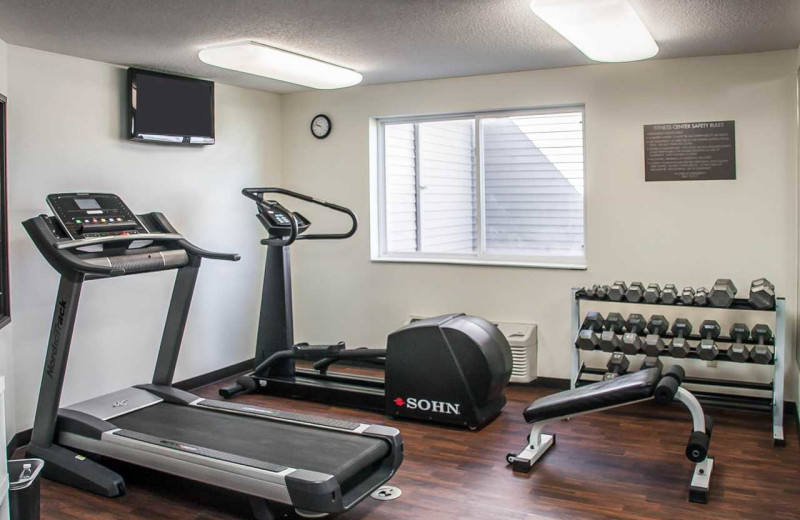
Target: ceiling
[[385, 40]]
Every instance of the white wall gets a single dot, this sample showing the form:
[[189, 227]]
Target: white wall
[[66, 121], [66, 116], [687, 233], [797, 118], [3, 68], [6, 354]]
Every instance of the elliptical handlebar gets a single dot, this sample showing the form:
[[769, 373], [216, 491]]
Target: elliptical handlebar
[[257, 194]]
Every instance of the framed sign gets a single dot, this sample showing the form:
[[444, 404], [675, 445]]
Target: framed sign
[[701, 151]]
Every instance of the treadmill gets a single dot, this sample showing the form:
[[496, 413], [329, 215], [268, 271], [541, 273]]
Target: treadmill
[[316, 465]]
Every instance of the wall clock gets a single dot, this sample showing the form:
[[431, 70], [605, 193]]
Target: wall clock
[[321, 126]]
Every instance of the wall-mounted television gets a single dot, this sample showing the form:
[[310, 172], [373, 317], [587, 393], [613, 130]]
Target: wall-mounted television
[[164, 108]]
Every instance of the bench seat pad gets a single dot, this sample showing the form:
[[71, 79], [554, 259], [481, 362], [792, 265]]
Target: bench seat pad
[[620, 390]]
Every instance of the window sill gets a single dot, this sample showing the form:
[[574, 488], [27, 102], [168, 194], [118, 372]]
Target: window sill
[[578, 266], [4, 320]]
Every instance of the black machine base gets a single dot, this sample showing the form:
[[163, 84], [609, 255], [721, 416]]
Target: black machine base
[[357, 392], [451, 369], [68, 467]]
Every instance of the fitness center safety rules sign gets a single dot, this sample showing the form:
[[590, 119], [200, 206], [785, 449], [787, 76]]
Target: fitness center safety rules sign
[[690, 151]]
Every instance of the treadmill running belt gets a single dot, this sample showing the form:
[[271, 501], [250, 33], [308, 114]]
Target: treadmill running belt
[[285, 444]]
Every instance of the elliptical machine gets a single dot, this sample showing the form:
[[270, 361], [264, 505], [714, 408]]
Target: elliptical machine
[[451, 369]]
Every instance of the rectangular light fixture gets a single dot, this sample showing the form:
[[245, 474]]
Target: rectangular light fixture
[[604, 30], [270, 62]]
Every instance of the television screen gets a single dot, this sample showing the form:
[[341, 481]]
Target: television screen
[[170, 109]]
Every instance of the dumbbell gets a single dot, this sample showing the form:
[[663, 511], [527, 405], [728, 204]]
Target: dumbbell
[[609, 341], [679, 347], [587, 337], [635, 292], [722, 293], [761, 353], [591, 292], [602, 292], [617, 291], [651, 362], [653, 344], [738, 351], [631, 343], [762, 294], [709, 331], [687, 296], [669, 295], [653, 293], [701, 296], [617, 365]]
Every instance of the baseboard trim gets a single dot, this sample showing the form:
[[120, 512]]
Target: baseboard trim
[[216, 375], [548, 382]]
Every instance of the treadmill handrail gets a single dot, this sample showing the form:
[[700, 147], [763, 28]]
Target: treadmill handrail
[[204, 253], [84, 242], [188, 246], [60, 254], [38, 230], [256, 194], [87, 268]]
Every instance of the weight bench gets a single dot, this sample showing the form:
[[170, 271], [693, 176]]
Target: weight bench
[[623, 390]]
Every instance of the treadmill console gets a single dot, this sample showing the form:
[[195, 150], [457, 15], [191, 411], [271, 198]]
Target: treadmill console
[[276, 218], [92, 215]]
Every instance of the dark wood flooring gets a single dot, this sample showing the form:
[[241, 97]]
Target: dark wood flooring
[[626, 463]]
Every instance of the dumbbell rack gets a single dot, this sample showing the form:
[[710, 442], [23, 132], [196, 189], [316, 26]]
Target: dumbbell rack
[[775, 388]]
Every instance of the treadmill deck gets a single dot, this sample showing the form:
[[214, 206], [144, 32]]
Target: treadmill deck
[[277, 443]]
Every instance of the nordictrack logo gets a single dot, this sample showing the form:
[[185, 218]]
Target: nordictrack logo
[[56, 337], [425, 405]]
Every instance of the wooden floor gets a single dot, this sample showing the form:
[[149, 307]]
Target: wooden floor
[[627, 463]]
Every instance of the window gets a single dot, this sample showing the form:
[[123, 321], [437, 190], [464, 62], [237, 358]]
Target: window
[[5, 301], [490, 188]]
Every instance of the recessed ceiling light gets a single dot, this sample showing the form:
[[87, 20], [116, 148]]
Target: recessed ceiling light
[[270, 62], [604, 30]]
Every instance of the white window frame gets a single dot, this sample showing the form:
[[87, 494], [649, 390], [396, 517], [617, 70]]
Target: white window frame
[[378, 236]]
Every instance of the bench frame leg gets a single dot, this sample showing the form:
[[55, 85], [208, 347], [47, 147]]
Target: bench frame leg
[[701, 478], [538, 444], [701, 481], [687, 399]]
